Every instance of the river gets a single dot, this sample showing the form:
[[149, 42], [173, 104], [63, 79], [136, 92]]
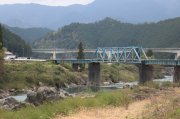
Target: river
[[22, 97]]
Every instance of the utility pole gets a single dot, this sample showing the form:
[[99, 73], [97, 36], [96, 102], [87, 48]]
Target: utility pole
[[23, 53]]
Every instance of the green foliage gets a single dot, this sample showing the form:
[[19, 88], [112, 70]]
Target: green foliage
[[67, 66], [112, 33], [1, 38], [69, 106], [2, 49], [28, 34], [166, 84], [15, 44], [119, 72], [152, 84], [149, 53], [81, 56]]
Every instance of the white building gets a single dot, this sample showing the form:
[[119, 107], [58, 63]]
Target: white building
[[9, 56]]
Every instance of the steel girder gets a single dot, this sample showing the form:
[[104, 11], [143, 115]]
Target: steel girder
[[119, 54]]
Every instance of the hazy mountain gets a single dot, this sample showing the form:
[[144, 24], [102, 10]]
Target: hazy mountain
[[28, 34], [17, 23], [132, 11]]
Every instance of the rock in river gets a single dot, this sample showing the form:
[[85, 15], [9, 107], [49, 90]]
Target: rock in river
[[44, 94], [3, 94]]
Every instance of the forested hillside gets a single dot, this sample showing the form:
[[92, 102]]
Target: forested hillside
[[113, 33], [15, 44], [28, 34]]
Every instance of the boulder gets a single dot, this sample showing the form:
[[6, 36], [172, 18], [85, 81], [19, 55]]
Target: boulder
[[3, 94], [41, 84], [65, 85], [126, 86], [73, 85], [1, 103], [140, 96], [64, 92], [133, 86], [148, 90], [121, 82], [11, 90], [80, 81], [12, 103], [45, 94], [106, 83]]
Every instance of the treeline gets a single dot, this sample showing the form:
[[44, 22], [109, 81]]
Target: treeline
[[113, 33], [15, 44], [28, 34]]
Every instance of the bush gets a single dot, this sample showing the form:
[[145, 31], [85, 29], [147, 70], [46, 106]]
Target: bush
[[61, 69], [68, 66], [29, 79], [114, 78], [152, 84], [166, 84]]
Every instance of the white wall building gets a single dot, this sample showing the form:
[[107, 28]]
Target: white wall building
[[9, 56]]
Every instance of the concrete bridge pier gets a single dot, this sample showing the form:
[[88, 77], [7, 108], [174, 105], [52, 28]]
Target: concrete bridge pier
[[94, 73], [75, 66], [145, 73], [54, 54], [177, 55], [176, 76]]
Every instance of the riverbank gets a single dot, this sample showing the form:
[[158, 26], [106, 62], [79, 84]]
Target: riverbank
[[157, 107], [20, 76], [24, 76], [95, 104]]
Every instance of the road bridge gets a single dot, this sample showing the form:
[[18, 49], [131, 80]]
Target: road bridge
[[56, 51], [128, 55]]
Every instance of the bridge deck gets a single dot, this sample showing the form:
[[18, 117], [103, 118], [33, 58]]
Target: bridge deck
[[147, 62]]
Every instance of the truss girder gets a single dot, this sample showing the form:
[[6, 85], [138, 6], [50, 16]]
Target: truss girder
[[119, 54]]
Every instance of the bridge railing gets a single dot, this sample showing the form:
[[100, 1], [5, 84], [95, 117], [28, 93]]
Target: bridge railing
[[119, 54]]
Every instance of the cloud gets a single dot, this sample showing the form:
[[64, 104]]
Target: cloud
[[47, 2]]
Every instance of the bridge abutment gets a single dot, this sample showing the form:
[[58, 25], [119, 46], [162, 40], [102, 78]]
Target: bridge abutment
[[145, 73], [75, 66], [176, 76], [94, 73]]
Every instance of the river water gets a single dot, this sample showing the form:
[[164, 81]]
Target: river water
[[85, 89]]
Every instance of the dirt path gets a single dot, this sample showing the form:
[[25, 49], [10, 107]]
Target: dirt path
[[135, 110]]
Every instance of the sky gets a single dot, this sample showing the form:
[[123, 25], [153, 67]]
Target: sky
[[47, 2]]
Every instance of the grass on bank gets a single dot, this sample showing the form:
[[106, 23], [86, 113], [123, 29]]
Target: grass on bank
[[25, 75], [70, 105]]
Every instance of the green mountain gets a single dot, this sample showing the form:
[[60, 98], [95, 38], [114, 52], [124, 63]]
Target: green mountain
[[15, 44], [113, 33], [28, 34]]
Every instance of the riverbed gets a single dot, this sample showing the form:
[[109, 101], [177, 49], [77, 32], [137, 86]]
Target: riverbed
[[85, 89]]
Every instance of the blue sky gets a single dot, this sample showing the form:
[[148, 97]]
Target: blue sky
[[48, 2]]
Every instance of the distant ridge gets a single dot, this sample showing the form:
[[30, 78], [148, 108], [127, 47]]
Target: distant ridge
[[131, 11], [113, 33], [28, 34]]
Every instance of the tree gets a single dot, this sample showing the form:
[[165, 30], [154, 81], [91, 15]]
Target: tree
[[1, 38], [2, 49], [149, 53], [81, 55]]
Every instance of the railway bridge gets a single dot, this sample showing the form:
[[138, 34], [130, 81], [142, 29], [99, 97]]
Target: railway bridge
[[130, 55]]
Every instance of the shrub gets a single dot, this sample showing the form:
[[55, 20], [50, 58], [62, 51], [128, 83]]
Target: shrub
[[61, 69], [166, 84], [67, 66], [152, 84], [29, 79]]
